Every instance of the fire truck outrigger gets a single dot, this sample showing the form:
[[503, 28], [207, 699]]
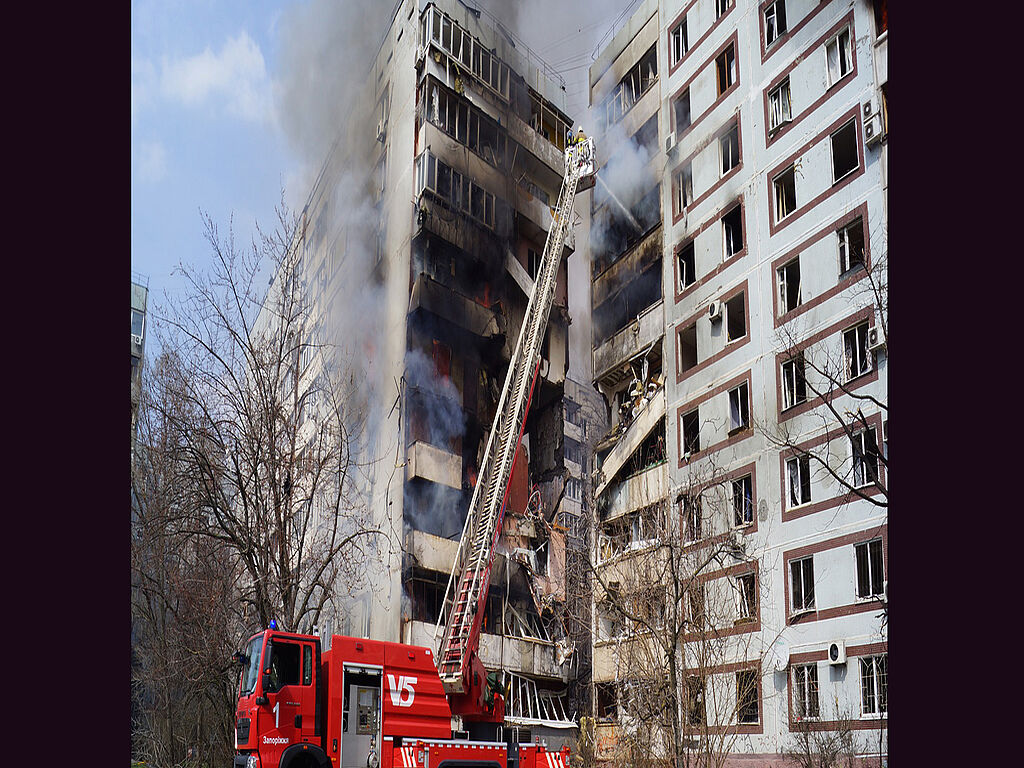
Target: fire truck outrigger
[[374, 703]]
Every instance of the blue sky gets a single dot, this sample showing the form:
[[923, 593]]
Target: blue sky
[[204, 134], [204, 130]]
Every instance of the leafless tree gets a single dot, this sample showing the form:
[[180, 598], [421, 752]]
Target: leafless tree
[[248, 492], [672, 613], [837, 746]]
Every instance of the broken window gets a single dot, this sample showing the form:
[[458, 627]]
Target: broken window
[[870, 573], [687, 266], [690, 511], [785, 193], [736, 317], [802, 582], [838, 56], [805, 691], [729, 146], [844, 151], [779, 108], [688, 348], [681, 110], [633, 85], [789, 285], [874, 685], [680, 44], [743, 501], [732, 229], [855, 351], [695, 715], [798, 471], [747, 696], [774, 21], [794, 383], [865, 458], [725, 67], [682, 185], [746, 596], [851, 245], [721, 6], [695, 605], [574, 489], [690, 425], [739, 408], [607, 704]]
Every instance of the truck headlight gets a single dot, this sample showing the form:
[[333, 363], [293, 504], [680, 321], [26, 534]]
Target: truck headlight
[[253, 761]]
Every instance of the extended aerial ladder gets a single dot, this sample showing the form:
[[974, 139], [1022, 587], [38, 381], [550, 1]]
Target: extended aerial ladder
[[461, 671]]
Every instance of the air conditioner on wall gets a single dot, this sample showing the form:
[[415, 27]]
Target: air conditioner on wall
[[670, 143], [837, 652], [715, 310], [875, 339]]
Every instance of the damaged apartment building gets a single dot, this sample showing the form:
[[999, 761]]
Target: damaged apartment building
[[464, 162], [737, 229]]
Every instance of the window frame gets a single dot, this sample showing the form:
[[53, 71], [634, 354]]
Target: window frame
[[780, 29], [746, 596], [779, 194], [791, 383], [739, 407], [803, 464], [686, 441], [728, 150], [851, 125], [729, 235], [864, 359], [682, 187], [750, 687], [846, 264], [725, 64], [692, 513], [684, 42], [743, 501], [843, 42], [878, 667], [806, 605], [805, 692], [722, 7], [868, 548], [859, 453], [681, 265], [783, 282], [780, 115]]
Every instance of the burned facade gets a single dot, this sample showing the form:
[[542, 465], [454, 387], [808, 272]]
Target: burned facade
[[423, 278], [737, 230]]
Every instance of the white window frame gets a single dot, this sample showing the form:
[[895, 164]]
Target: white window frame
[[746, 604], [872, 674], [838, 56], [729, 236], [856, 563], [805, 606], [721, 7], [683, 187], [790, 370], [680, 42], [856, 355], [858, 457], [803, 469], [693, 520], [832, 150], [739, 407], [802, 691], [743, 484], [681, 266], [843, 238], [784, 287], [726, 151], [780, 106], [771, 22]]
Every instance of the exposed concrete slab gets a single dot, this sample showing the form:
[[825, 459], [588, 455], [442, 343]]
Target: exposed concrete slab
[[636, 492], [431, 552], [610, 357], [444, 302], [431, 463], [635, 433]]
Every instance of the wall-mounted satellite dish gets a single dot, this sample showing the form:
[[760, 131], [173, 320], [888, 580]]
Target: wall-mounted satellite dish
[[778, 654]]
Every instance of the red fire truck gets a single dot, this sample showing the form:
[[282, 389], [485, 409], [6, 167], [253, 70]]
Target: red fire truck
[[370, 703]]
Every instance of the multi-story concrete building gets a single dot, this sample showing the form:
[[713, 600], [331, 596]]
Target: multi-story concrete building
[[454, 154], [140, 294], [739, 245]]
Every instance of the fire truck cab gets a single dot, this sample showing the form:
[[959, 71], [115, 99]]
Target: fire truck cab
[[361, 704]]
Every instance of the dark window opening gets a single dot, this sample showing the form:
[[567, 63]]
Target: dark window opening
[[739, 408], [688, 348], [681, 107], [725, 65], [785, 193], [789, 285], [844, 151], [732, 226], [687, 266], [747, 696], [691, 431], [743, 501], [775, 21], [736, 317], [851, 245], [730, 149], [870, 572]]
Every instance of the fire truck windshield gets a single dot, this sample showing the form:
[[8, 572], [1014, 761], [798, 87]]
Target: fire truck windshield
[[251, 670]]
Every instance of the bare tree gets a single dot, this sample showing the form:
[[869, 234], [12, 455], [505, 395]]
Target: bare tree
[[677, 612], [842, 744], [248, 491]]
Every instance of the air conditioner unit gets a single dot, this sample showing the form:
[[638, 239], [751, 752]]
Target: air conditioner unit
[[715, 310], [670, 143], [875, 340], [873, 129], [136, 339], [837, 652], [869, 108]]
